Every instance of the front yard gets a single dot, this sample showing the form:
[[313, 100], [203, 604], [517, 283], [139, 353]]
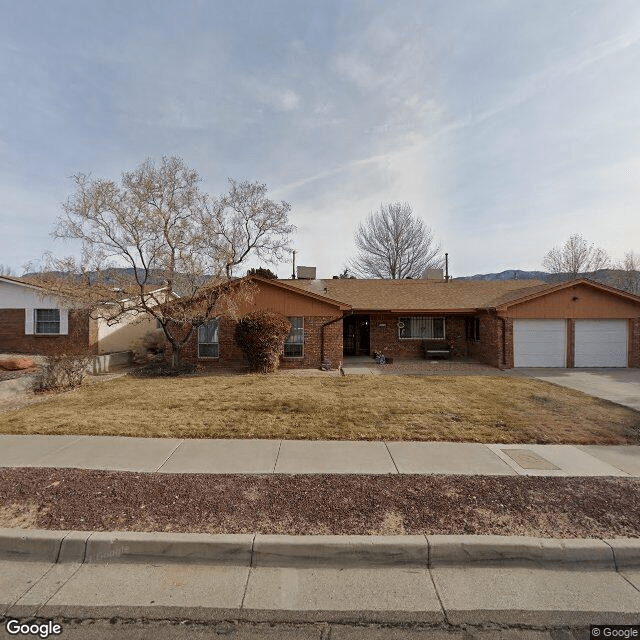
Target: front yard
[[447, 408]]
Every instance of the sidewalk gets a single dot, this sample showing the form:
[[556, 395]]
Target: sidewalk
[[169, 455], [395, 580]]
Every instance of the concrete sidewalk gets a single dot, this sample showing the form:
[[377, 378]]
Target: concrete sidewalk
[[168, 455], [398, 579]]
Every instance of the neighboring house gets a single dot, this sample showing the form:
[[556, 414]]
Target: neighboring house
[[34, 321], [502, 323]]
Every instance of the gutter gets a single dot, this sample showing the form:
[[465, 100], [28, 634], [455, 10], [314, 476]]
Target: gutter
[[324, 325]]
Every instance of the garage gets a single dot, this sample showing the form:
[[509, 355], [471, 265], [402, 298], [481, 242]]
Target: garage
[[539, 343], [601, 343]]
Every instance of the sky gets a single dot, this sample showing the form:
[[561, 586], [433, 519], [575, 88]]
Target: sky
[[507, 125]]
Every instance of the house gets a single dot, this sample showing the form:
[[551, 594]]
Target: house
[[34, 321], [511, 323]]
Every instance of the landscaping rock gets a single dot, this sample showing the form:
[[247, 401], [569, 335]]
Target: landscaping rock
[[15, 364]]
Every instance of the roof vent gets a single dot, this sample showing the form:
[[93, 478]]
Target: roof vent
[[306, 273], [433, 274]]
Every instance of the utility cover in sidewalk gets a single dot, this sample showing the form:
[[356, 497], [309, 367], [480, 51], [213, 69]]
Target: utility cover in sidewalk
[[528, 459]]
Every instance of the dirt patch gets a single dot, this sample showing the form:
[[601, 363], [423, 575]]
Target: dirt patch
[[320, 504]]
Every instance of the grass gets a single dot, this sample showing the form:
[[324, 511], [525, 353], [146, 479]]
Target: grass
[[446, 408]]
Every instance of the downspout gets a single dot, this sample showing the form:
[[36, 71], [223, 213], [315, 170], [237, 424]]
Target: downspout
[[504, 344], [326, 324]]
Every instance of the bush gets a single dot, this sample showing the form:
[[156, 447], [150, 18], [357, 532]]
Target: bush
[[67, 364], [261, 336], [149, 347], [62, 371]]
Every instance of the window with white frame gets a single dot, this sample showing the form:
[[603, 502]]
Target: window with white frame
[[208, 340], [46, 321], [421, 327], [294, 342]]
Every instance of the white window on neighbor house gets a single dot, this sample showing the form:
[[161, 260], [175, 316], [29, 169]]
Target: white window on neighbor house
[[46, 321], [294, 343], [421, 327], [208, 340]]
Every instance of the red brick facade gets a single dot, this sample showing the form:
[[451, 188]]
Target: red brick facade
[[232, 358], [384, 336], [634, 342], [82, 330]]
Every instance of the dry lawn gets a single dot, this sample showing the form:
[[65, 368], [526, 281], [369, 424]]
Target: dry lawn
[[448, 408]]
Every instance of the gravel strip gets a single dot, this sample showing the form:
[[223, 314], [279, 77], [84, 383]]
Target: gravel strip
[[319, 504]]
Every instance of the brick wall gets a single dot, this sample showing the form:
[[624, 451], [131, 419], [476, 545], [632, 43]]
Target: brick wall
[[495, 347], [232, 358], [386, 340], [634, 346], [13, 339]]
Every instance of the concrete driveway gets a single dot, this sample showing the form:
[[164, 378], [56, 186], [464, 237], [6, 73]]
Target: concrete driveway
[[621, 386]]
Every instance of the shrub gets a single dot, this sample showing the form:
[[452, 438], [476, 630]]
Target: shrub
[[62, 371], [67, 364], [261, 335], [149, 347]]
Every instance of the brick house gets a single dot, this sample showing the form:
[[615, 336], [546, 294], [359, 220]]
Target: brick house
[[33, 321], [502, 323]]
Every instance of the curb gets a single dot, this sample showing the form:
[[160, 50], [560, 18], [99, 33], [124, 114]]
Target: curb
[[258, 550]]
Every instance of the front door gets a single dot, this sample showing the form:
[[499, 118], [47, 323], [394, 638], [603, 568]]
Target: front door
[[356, 335]]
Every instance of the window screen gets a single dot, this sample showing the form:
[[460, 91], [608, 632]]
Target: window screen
[[208, 341], [423, 327], [47, 321], [294, 342]]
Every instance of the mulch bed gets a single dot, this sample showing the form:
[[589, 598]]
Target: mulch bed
[[319, 504]]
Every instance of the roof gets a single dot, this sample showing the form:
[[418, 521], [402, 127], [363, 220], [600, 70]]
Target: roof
[[418, 295], [517, 297], [289, 285], [25, 282]]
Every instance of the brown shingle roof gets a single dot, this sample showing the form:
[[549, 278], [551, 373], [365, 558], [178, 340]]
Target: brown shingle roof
[[417, 295]]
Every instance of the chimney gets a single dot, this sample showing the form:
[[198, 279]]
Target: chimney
[[433, 274], [306, 273]]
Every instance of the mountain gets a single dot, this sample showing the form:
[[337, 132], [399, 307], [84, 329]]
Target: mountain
[[511, 274]]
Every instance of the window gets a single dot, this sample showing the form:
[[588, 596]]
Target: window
[[208, 341], [421, 327], [473, 328], [47, 320], [294, 343]]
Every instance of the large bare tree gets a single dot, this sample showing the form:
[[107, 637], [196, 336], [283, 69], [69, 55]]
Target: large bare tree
[[245, 221], [392, 243], [627, 273], [179, 244], [575, 258]]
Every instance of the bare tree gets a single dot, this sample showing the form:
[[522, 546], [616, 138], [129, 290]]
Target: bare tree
[[245, 221], [5, 270], [393, 243], [575, 258], [175, 241], [627, 274]]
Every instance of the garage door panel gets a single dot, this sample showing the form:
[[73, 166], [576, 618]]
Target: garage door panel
[[601, 343], [539, 343]]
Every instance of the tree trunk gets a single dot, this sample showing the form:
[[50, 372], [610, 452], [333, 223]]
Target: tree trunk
[[175, 356]]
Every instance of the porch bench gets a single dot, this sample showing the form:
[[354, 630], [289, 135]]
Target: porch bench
[[436, 348]]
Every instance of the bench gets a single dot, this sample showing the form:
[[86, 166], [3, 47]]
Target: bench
[[437, 348]]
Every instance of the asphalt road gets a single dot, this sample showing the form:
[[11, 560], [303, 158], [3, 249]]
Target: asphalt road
[[175, 630]]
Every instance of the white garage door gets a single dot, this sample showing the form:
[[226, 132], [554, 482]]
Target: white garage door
[[601, 343], [540, 343]]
